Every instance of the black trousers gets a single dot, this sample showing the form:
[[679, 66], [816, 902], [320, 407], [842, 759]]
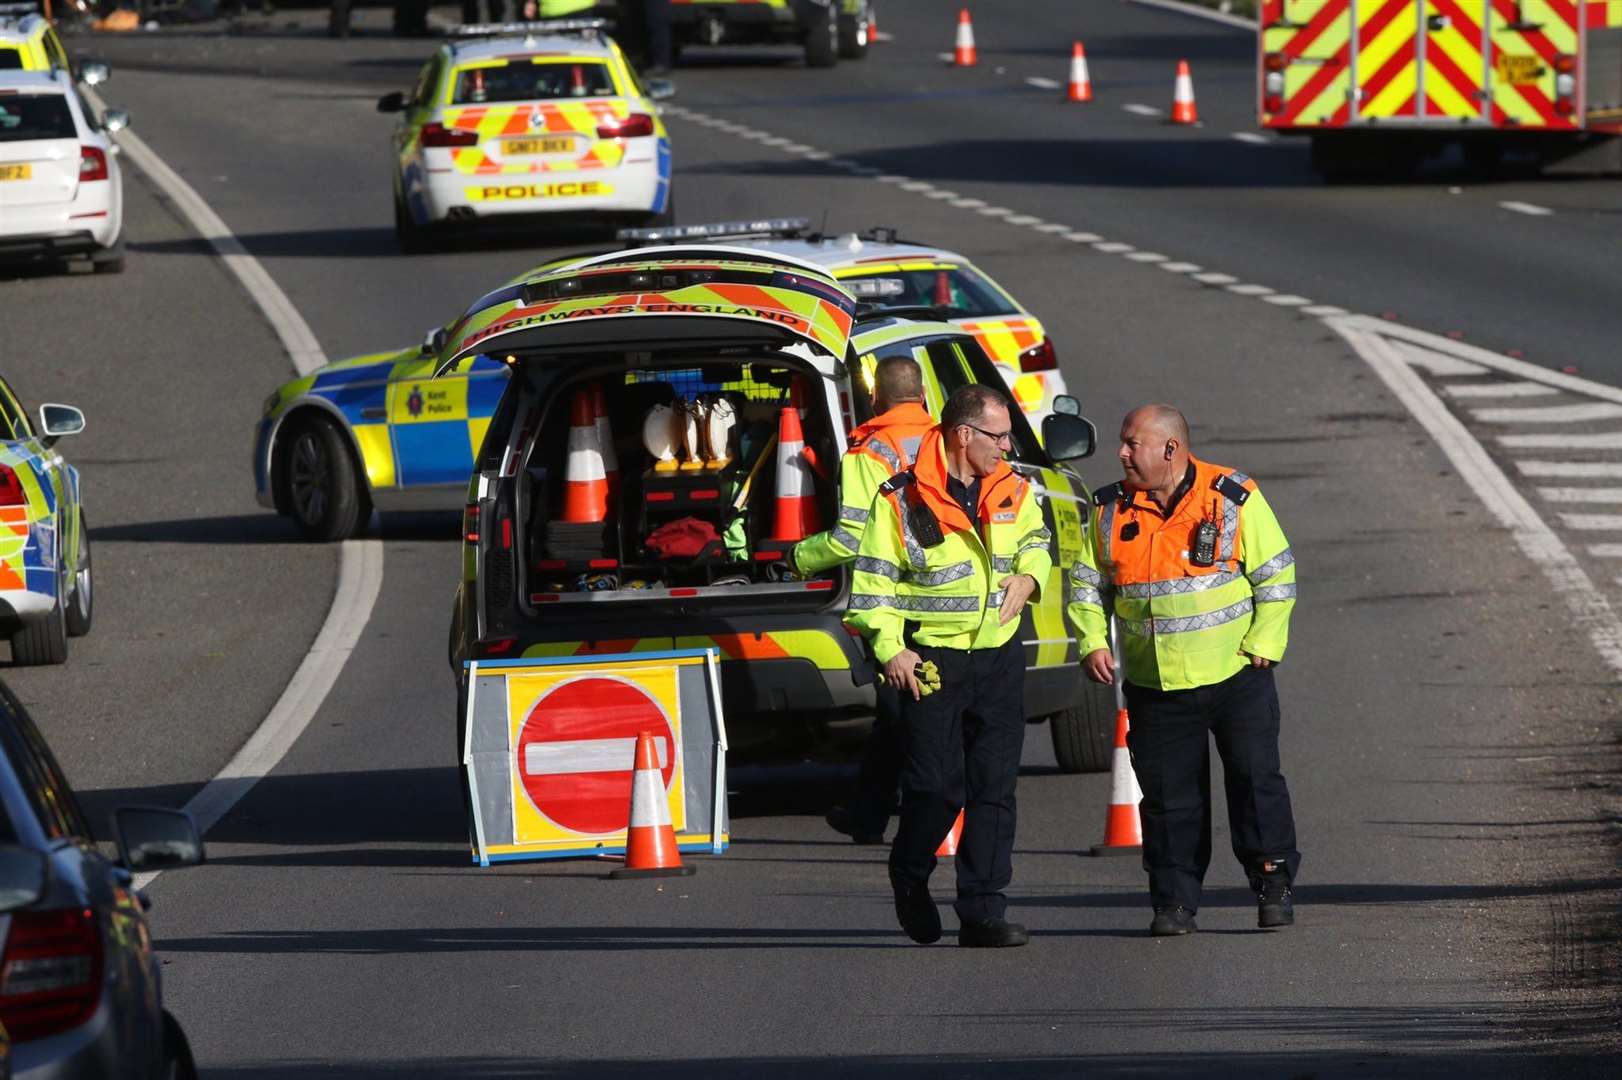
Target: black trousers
[[1171, 754], [962, 745], [873, 798], [497, 9]]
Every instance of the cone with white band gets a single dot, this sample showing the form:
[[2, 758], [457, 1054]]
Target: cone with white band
[[1123, 832], [585, 481], [605, 438], [965, 55], [1081, 84], [797, 513], [1182, 97], [650, 842], [954, 836]]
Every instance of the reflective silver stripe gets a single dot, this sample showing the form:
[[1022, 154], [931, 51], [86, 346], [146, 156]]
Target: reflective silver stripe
[[1272, 594], [1040, 545], [1187, 623], [881, 567], [844, 536], [909, 446], [994, 600], [1002, 562], [944, 576], [869, 601], [1082, 574], [1106, 528], [1144, 590], [883, 450], [1035, 536], [1271, 566], [854, 514], [938, 603], [1086, 594], [915, 551], [1230, 521]]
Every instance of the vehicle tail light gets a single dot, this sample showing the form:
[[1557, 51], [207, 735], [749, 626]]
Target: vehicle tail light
[[1274, 61], [437, 134], [628, 128], [470, 523], [1565, 84], [92, 163], [1565, 63], [1039, 357], [500, 646], [50, 978], [11, 489], [1273, 103]]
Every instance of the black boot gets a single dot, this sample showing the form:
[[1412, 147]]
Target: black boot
[[1172, 922], [1274, 907]]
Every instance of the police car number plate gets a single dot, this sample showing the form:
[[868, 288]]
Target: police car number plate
[[538, 146], [16, 172]]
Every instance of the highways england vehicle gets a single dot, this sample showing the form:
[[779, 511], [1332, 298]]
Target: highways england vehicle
[[828, 29], [703, 331], [551, 124], [1380, 84]]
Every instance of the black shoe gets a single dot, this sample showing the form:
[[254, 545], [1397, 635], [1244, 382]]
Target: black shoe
[[916, 912], [1274, 907], [1172, 922], [839, 820], [991, 934]]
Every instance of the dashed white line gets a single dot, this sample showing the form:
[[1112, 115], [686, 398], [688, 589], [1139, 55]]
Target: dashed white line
[[1250, 290], [892, 178], [1610, 440], [1324, 311], [1580, 494], [964, 203], [1179, 267], [1286, 300], [1549, 414], [1025, 220], [1252, 137], [1142, 110], [1053, 227], [817, 155], [918, 187], [1147, 257], [1532, 209], [1083, 237], [1571, 469], [795, 148], [1214, 278], [1498, 390], [1113, 247], [866, 170], [1043, 84], [994, 211], [941, 193]]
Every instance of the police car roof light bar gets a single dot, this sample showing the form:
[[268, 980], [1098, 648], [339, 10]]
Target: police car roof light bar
[[9, 12], [540, 26], [767, 228]]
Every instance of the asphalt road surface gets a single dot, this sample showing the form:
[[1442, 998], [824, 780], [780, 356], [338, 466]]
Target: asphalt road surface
[[1450, 738]]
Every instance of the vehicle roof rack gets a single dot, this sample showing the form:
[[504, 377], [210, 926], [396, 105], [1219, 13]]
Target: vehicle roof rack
[[761, 228], [534, 28]]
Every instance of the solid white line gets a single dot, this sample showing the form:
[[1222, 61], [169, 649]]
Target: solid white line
[[1179, 267], [1435, 362], [1043, 84], [1197, 12], [1250, 290], [1147, 257], [1286, 300], [1253, 138], [1549, 414], [1580, 494], [1532, 209], [1214, 278], [1609, 440], [1498, 390], [1605, 551], [1571, 469], [1142, 110], [1476, 356], [1592, 522], [360, 562], [1589, 608]]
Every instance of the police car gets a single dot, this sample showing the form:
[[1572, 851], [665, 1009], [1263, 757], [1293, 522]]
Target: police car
[[882, 269], [28, 42], [542, 119]]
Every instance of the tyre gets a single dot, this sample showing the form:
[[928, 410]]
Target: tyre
[[44, 641], [822, 39], [1084, 734], [853, 33], [324, 488], [81, 595], [177, 1060], [109, 260], [411, 237]]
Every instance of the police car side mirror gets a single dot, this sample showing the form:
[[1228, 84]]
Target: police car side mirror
[[394, 101], [1068, 438], [660, 89], [156, 838], [115, 120], [56, 421], [94, 73], [1067, 405]]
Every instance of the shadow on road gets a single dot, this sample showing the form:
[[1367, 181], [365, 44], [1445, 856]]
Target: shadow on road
[[379, 242], [265, 528]]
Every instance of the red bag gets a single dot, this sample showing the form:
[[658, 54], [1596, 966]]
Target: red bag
[[683, 538]]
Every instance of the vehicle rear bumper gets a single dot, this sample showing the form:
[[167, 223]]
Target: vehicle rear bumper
[[638, 186], [58, 230], [87, 1052], [60, 245]]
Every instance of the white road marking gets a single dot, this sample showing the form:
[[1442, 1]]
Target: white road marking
[[1571, 469], [1580, 494], [941, 193], [1474, 360], [1610, 440], [1147, 257], [1214, 278], [1043, 84], [892, 178], [1250, 290], [1254, 138], [1179, 267], [775, 140], [1549, 414], [918, 187], [1605, 551], [1286, 300], [817, 155], [360, 562], [965, 203], [1053, 227], [1437, 363], [1532, 209], [1142, 110], [946, 57], [1541, 545], [995, 211], [1181, 7], [1113, 247], [1026, 220], [795, 148], [1323, 311], [1498, 390], [866, 170], [1083, 237], [1592, 522]]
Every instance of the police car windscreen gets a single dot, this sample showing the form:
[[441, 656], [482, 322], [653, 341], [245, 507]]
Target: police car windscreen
[[35, 116], [960, 288], [529, 82]]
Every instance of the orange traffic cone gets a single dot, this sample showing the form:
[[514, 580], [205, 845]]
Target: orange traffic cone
[[1182, 97], [1123, 834], [965, 56], [797, 512], [948, 848], [585, 482], [650, 842], [605, 439], [1081, 85]]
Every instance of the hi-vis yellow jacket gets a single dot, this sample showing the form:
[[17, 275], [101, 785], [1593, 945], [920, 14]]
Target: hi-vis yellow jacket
[[1182, 625], [879, 449], [948, 587]]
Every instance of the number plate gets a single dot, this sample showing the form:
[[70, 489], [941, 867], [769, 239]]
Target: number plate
[[516, 147], [1518, 70], [16, 172]]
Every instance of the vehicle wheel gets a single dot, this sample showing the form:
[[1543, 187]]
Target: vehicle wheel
[[853, 33], [412, 238], [109, 260], [81, 598], [44, 641], [178, 1063], [1084, 734], [822, 39], [324, 488]]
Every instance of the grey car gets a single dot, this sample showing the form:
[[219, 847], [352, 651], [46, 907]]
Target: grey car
[[80, 993]]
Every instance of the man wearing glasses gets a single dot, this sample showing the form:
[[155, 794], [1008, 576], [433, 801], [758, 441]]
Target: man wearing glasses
[[954, 548]]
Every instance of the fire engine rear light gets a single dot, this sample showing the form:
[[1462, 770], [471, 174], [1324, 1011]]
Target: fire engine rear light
[[628, 128], [1565, 63], [437, 134], [50, 978], [1274, 61], [1273, 103], [11, 489], [92, 163], [1565, 85], [1564, 107], [1039, 357], [1273, 83]]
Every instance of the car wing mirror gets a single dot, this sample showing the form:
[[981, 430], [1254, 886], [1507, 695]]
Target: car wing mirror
[[115, 120], [56, 421], [1067, 405], [660, 89], [24, 874], [1068, 438], [94, 73], [393, 101], [154, 838], [433, 341]]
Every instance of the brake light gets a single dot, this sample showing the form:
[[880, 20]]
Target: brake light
[[437, 134], [50, 979], [1274, 61], [1565, 63], [92, 163], [1273, 103], [470, 523], [1039, 357], [1565, 84], [11, 489], [628, 128]]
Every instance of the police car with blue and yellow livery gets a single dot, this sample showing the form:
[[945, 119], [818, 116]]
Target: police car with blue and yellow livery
[[541, 119]]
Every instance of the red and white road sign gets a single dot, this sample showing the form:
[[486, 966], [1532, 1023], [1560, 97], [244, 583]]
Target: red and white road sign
[[576, 748]]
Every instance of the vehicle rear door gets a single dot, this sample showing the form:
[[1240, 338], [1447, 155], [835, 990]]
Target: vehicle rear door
[[39, 150], [1420, 60]]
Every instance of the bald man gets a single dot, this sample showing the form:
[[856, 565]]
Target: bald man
[[1190, 560]]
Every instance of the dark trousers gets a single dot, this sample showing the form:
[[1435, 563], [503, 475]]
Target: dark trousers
[[962, 746], [497, 9], [645, 33], [1172, 757], [874, 796]]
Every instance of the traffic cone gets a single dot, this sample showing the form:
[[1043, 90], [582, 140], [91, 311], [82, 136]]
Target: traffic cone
[[1123, 833], [1081, 85], [948, 848], [605, 439], [797, 512], [585, 482], [965, 56], [1182, 97], [650, 842]]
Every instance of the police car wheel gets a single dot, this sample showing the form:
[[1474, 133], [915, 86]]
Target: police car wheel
[[44, 641], [323, 486], [853, 33], [1084, 734], [822, 39], [81, 600]]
